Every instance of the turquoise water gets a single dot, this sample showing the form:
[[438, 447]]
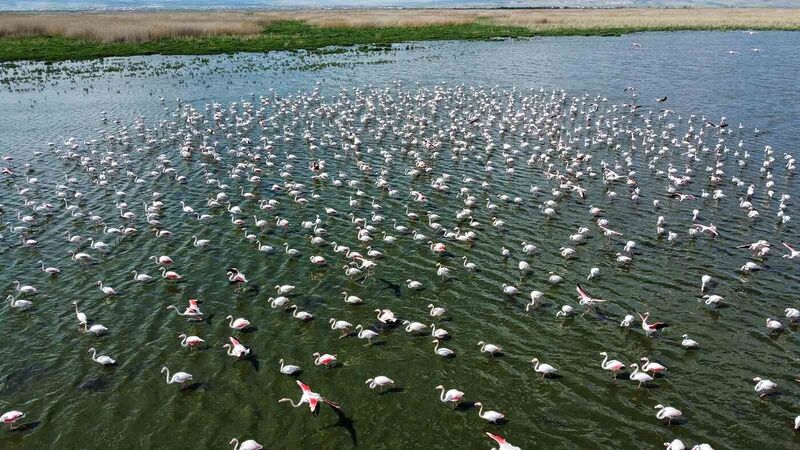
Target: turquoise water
[[72, 402]]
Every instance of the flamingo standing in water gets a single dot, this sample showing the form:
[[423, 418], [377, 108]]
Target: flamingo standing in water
[[490, 416], [235, 348], [587, 300], [324, 360], [191, 313], [237, 277], [612, 366], [379, 381], [177, 377], [650, 329], [245, 445], [288, 369], [450, 396], [653, 367], [11, 418], [668, 412], [190, 341], [239, 324], [309, 397]]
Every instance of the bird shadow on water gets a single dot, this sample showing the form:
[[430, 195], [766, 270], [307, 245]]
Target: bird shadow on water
[[465, 406], [253, 360], [192, 388], [394, 287], [394, 390], [25, 427], [346, 423]]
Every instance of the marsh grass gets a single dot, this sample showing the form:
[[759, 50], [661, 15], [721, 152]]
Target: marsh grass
[[60, 36]]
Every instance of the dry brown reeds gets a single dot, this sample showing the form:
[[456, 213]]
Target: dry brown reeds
[[147, 26]]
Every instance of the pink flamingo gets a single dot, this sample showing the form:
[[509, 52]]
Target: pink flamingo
[[190, 341], [309, 397], [12, 417], [612, 366], [651, 328], [324, 360], [502, 442], [239, 324], [163, 260], [169, 274], [235, 348]]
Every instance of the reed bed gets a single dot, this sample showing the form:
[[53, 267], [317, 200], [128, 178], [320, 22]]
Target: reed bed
[[150, 26]]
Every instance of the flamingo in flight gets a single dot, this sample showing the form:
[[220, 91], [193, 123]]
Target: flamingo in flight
[[309, 397], [587, 300]]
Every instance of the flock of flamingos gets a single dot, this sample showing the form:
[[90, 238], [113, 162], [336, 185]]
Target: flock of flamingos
[[439, 168]]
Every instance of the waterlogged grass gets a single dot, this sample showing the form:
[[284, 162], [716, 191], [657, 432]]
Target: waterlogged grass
[[287, 35]]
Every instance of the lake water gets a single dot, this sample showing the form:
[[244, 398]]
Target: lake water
[[72, 402]]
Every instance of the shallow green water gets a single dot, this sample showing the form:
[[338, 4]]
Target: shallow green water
[[72, 402]]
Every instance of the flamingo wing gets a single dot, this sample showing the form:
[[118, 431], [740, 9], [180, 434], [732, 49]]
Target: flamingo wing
[[582, 293], [303, 386], [312, 403], [497, 438], [789, 247], [659, 325], [235, 342]]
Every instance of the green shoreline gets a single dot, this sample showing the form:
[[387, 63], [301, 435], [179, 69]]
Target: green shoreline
[[291, 35]]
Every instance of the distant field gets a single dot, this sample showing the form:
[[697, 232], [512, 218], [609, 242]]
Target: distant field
[[58, 36]]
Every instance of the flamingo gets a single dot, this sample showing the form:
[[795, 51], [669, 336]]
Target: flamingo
[[764, 387], [490, 416], [612, 366], [366, 334], [288, 369], [341, 325], [439, 333], [169, 274], [587, 300], [668, 412], [491, 349], [19, 304], [102, 359], [300, 315], [451, 396], [190, 341], [351, 299], [237, 277], [178, 377], [25, 289], [95, 329], [650, 329], [501, 442], [654, 367], [326, 359], [141, 277], [545, 369], [163, 260], [11, 418], [239, 324], [309, 397], [688, 343], [379, 381], [385, 316], [640, 377], [443, 352], [235, 348], [81, 316], [246, 445], [108, 290], [192, 313], [49, 270]]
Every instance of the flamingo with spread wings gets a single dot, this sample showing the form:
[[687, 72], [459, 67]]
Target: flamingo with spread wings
[[587, 300], [310, 397]]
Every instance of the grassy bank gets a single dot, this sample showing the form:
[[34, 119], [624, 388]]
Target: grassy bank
[[65, 36]]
